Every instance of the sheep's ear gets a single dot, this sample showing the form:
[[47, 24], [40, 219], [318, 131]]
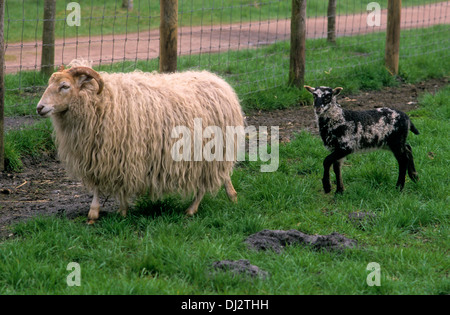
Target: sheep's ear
[[84, 75], [82, 80], [337, 90], [309, 89]]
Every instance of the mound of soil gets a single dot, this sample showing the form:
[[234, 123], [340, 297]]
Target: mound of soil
[[276, 240], [241, 266]]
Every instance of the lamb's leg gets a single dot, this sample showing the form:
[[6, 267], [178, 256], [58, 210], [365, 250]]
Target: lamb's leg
[[411, 168], [337, 171], [194, 206], [331, 159], [94, 210], [402, 160], [232, 194]]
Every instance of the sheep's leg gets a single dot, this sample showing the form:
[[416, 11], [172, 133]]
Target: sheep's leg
[[123, 206], [232, 194], [337, 171], [329, 160], [411, 168], [94, 210], [194, 206]]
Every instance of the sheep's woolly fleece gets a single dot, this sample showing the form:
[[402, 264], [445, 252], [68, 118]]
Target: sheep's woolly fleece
[[120, 143]]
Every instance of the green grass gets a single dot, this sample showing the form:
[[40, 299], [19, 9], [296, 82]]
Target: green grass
[[101, 17], [31, 142], [156, 250]]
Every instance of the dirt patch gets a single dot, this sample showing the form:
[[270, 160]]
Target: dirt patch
[[43, 187], [20, 122], [239, 267], [276, 240]]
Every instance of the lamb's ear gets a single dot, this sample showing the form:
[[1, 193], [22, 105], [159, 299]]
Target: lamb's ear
[[337, 90], [309, 89]]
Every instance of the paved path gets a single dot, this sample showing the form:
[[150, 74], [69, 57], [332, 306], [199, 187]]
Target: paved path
[[219, 38]]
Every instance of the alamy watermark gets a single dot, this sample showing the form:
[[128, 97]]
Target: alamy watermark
[[209, 143], [373, 278], [74, 17], [74, 278], [374, 17]]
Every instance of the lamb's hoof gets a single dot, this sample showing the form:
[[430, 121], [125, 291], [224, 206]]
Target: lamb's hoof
[[91, 222], [339, 191], [415, 177], [326, 186]]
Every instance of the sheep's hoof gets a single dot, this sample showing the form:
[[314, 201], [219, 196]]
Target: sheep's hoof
[[233, 198], [339, 191], [93, 215], [415, 177], [190, 212]]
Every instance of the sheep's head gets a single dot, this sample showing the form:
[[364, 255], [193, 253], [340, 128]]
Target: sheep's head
[[323, 97], [64, 87]]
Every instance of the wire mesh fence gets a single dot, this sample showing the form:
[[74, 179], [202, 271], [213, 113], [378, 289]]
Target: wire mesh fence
[[245, 41]]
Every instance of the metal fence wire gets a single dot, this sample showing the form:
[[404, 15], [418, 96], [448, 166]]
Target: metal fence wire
[[245, 41]]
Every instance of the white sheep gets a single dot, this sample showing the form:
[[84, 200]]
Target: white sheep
[[114, 131]]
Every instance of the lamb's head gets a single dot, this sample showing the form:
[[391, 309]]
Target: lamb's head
[[65, 86], [324, 97]]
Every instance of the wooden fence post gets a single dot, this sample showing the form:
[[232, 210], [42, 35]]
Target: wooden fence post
[[298, 39], [393, 36], [168, 35], [331, 27], [48, 38], [2, 86]]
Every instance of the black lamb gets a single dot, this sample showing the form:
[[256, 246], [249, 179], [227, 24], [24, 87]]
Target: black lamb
[[345, 131]]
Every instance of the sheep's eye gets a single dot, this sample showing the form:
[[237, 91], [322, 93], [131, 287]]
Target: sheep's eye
[[64, 87]]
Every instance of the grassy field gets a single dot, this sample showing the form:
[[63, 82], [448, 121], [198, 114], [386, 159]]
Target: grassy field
[[100, 17], [157, 250]]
